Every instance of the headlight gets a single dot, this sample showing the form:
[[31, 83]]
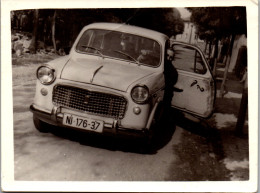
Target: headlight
[[45, 75], [140, 94]]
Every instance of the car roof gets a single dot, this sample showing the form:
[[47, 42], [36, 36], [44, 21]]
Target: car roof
[[128, 29]]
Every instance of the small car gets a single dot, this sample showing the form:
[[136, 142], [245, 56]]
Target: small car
[[113, 81]]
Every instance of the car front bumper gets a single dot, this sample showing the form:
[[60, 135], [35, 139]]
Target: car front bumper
[[55, 117]]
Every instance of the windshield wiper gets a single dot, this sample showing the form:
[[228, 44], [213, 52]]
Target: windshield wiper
[[93, 48], [129, 56]]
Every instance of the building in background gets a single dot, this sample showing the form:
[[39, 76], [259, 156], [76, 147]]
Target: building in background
[[189, 33]]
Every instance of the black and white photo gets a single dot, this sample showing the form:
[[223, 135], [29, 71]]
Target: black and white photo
[[156, 95]]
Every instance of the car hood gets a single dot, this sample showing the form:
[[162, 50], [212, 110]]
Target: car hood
[[117, 75]]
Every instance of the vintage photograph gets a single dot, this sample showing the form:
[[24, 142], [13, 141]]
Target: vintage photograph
[[130, 94]]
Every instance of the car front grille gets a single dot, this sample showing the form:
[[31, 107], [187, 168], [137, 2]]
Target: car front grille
[[102, 104]]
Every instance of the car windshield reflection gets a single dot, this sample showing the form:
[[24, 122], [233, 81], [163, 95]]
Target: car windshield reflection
[[119, 45]]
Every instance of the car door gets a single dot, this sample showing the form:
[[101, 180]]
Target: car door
[[195, 88]]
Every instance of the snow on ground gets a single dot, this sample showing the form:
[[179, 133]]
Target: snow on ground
[[235, 166], [221, 69], [224, 120], [230, 95]]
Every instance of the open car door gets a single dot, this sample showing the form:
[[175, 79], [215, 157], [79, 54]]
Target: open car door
[[195, 85]]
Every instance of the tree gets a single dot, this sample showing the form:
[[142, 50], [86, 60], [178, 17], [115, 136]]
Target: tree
[[63, 25], [164, 20], [33, 45], [214, 23], [219, 21]]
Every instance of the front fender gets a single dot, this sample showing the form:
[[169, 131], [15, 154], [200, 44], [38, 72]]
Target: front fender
[[58, 64], [154, 82], [152, 114]]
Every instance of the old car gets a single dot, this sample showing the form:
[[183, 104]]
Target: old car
[[112, 81]]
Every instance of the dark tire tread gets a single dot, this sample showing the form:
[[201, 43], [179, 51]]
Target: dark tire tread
[[40, 125]]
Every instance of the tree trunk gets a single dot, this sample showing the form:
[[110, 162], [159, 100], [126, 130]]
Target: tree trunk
[[53, 31], [230, 48], [205, 49], [45, 24], [210, 44], [33, 45], [215, 57], [242, 112]]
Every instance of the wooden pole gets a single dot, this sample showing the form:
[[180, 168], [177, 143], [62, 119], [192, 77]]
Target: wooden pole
[[205, 49], [222, 88], [215, 57], [242, 111], [209, 54]]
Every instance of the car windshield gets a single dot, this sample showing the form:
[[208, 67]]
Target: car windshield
[[119, 45]]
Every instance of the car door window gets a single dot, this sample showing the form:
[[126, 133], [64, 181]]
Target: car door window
[[188, 59]]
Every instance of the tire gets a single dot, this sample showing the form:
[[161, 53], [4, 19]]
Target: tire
[[146, 147], [160, 118], [40, 125], [163, 127], [150, 139]]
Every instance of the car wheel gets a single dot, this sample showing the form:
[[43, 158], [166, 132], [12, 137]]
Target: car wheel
[[163, 126], [148, 145], [40, 125], [145, 144], [159, 118]]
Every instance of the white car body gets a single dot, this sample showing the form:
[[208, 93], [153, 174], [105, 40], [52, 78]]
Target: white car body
[[107, 82]]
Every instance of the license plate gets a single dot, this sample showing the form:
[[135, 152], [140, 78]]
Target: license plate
[[82, 123]]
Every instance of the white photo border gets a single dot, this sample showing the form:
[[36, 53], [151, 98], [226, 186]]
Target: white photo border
[[7, 157]]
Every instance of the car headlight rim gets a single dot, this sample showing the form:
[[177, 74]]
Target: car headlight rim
[[45, 75], [140, 94]]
